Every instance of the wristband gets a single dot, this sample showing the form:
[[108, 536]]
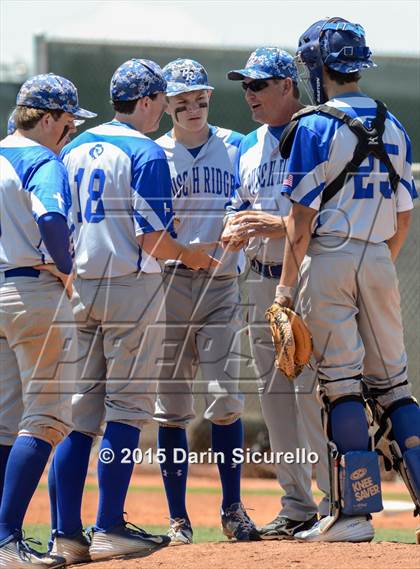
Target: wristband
[[287, 291]]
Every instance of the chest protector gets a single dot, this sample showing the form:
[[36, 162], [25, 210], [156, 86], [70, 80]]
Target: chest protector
[[369, 141]]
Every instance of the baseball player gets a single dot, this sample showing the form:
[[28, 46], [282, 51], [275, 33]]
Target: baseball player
[[121, 190], [352, 192], [257, 215], [203, 316], [10, 414], [37, 340]]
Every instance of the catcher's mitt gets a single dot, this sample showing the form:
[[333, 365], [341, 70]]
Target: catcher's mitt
[[291, 338]]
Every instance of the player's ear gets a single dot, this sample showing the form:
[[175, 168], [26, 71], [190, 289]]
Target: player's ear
[[167, 111], [209, 93], [287, 86], [142, 103], [46, 120]]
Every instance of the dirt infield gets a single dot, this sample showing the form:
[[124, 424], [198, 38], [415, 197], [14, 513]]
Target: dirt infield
[[146, 505], [274, 555]]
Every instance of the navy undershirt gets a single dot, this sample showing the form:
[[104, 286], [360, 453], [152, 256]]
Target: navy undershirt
[[195, 151], [55, 235]]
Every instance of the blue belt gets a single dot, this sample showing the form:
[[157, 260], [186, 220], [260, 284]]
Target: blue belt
[[269, 271], [182, 266], [22, 272]]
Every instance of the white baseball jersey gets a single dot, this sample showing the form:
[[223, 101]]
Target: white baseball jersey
[[120, 184], [259, 178], [33, 182], [365, 208], [201, 188]]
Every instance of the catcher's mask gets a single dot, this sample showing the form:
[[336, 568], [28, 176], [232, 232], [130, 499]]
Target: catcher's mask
[[335, 43]]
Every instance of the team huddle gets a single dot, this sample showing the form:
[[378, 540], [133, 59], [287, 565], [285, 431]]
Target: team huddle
[[120, 260]]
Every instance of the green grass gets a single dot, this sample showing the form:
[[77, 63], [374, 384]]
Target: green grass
[[399, 535], [203, 535], [244, 491]]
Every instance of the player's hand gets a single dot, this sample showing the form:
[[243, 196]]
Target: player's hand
[[67, 280], [259, 224], [195, 256], [233, 238]]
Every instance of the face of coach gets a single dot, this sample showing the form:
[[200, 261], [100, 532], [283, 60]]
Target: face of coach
[[273, 102]]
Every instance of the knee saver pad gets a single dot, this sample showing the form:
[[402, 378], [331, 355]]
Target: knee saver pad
[[360, 483]]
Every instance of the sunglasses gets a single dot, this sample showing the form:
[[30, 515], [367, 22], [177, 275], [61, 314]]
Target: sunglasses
[[255, 86]]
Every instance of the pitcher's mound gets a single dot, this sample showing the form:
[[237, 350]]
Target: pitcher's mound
[[275, 555]]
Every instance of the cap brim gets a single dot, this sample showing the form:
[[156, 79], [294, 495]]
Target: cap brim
[[84, 114], [239, 74], [177, 88]]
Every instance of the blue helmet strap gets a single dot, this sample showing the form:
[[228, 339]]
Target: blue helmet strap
[[341, 26], [349, 53]]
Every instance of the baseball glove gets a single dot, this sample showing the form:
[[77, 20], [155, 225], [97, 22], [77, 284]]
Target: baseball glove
[[291, 338]]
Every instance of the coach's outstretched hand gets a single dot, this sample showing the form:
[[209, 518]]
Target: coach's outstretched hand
[[258, 224]]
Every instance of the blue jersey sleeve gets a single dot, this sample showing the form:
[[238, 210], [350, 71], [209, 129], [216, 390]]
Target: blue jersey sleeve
[[306, 176], [152, 198], [49, 189]]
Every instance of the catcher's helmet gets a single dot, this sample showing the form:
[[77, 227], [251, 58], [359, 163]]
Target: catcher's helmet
[[336, 43]]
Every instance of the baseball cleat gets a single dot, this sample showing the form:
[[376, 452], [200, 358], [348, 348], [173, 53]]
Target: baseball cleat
[[180, 531], [354, 529], [16, 553], [236, 524], [74, 548], [125, 539], [283, 527]]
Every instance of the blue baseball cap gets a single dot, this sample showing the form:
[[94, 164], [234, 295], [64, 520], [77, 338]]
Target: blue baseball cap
[[185, 75], [136, 78], [267, 63], [51, 92]]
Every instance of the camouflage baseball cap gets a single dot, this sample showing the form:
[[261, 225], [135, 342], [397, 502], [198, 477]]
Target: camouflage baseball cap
[[265, 63], [136, 78], [185, 75], [52, 92]]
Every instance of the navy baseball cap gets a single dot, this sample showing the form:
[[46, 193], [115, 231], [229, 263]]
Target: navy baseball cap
[[137, 78], [185, 75], [266, 63], [51, 92]]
